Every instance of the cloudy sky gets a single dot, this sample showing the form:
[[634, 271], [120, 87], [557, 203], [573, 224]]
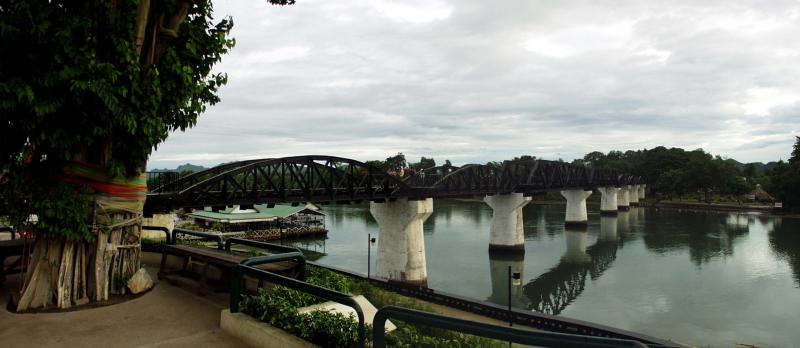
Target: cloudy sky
[[474, 81]]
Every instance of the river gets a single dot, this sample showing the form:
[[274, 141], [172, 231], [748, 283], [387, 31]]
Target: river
[[704, 278]]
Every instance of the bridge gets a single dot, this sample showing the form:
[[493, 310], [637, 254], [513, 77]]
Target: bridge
[[328, 179], [400, 205]]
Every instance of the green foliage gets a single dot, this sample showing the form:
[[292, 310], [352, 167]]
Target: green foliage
[[676, 171], [784, 184], [72, 84], [72, 79], [216, 226], [396, 162], [64, 217], [278, 307], [423, 163]]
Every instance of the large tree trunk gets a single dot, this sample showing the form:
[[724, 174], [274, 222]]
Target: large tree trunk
[[64, 273]]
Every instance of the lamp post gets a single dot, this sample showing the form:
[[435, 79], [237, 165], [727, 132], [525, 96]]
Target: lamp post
[[370, 240], [513, 278]]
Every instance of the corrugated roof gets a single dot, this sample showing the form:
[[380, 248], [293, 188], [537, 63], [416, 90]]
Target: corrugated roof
[[263, 214]]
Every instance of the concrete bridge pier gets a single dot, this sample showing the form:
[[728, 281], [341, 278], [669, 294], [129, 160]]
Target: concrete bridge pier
[[608, 200], [633, 195], [401, 246], [623, 198], [576, 208], [576, 247], [608, 228], [506, 233]]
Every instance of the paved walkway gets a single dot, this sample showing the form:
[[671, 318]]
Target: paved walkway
[[167, 316]]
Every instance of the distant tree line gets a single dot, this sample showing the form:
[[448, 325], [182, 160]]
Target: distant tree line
[[672, 172], [398, 161], [675, 172]]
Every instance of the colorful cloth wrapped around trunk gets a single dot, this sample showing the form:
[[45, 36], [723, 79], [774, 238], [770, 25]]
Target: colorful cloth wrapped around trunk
[[118, 195]]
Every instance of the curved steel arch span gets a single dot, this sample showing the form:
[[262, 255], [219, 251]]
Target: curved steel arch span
[[196, 177], [290, 179]]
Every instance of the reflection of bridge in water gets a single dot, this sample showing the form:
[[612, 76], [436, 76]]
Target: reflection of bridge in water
[[554, 290]]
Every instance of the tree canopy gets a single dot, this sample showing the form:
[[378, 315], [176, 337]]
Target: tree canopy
[[102, 82]]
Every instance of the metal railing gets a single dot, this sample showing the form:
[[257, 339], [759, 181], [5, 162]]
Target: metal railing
[[536, 338], [286, 254], [159, 228], [259, 244], [237, 286], [205, 235]]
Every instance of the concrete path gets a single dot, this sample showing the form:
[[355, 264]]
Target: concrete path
[[167, 316]]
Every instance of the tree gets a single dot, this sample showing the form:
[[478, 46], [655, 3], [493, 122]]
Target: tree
[[87, 90], [396, 162], [796, 151], [594, 159], [424, 163], [749, 170], [524, 158]]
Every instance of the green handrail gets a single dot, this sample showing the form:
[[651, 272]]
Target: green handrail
[[504, 333], [260, 244], [291, 256], [205, 235], [237, 286]]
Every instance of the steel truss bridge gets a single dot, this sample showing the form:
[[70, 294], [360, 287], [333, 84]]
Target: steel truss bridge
[[328, 179]]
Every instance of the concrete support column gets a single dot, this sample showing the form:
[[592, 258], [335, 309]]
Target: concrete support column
[[633, 195], [401, 247], [506, 230], [158, 220], [641, 191], [623, 198], [608, 201], [576, 247], [608, 228], [576, 207]]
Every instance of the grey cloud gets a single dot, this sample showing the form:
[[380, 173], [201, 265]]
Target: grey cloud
[[489, 81]]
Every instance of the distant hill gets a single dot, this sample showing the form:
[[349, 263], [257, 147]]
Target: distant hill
[[188, 167], [761, 167]]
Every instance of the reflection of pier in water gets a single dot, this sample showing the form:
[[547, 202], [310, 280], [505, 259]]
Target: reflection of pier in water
[[554, 290]]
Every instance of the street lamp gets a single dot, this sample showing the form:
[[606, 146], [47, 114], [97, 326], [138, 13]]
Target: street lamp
[[515, 279], [370, 240]]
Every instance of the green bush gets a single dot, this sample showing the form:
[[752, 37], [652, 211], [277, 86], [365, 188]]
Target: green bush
[[278, 307]]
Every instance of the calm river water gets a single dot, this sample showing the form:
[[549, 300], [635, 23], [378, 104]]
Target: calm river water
[[709, 279]]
